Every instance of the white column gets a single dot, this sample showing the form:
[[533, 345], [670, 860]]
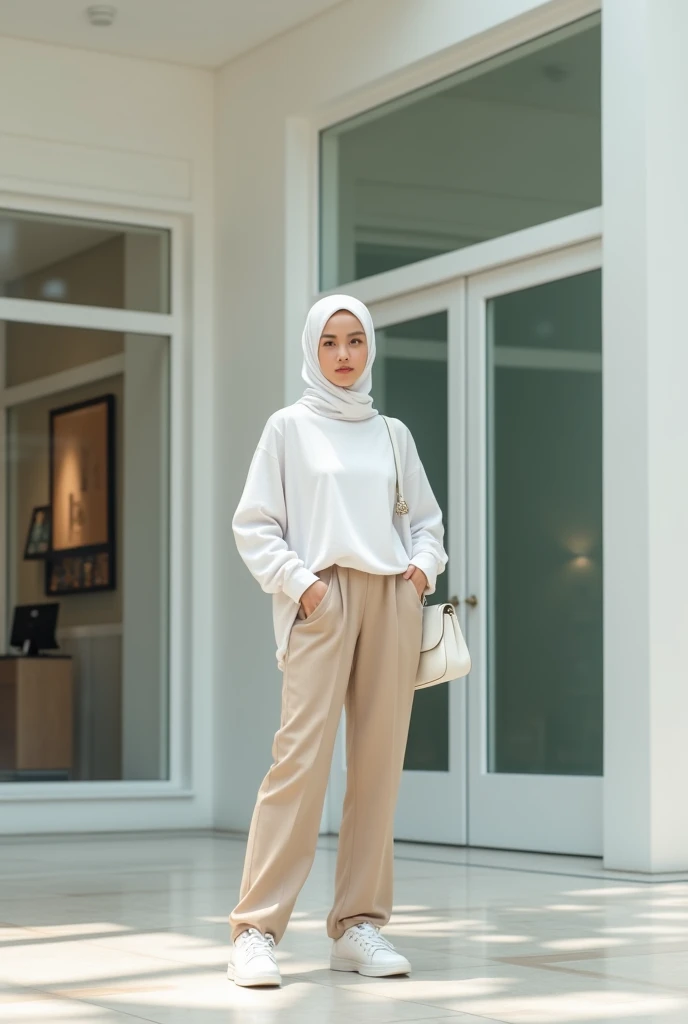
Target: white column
[[645, 90]]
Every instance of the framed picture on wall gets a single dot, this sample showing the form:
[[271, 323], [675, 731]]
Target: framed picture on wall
[[82, 495], [38, 538]]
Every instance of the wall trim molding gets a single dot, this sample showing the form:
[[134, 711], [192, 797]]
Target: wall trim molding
[[115, 171]]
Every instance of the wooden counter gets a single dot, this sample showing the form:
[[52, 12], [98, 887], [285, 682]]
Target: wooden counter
[[36, 713]]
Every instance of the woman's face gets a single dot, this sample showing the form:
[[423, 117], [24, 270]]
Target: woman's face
[[343, 349]]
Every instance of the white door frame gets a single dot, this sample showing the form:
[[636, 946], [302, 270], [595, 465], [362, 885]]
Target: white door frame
[[548, 813], [422, 792], [539, 254]]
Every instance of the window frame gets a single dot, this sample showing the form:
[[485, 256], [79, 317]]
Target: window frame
[[172, 325]]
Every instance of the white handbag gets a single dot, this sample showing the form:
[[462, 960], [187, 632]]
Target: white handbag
[[443, 651]]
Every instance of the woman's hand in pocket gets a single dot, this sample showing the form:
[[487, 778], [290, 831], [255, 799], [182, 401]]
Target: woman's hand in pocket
[[418, 578], [311, 598]]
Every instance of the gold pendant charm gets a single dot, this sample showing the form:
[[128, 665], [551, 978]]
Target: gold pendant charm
[[401, 508]]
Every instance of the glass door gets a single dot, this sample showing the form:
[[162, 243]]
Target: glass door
[[534, 547], [418, 371], [499, 378]]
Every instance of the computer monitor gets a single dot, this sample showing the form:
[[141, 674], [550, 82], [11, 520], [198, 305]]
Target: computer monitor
[[33, 627]]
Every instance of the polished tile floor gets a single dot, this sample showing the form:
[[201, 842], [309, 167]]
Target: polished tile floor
[[133, 928]]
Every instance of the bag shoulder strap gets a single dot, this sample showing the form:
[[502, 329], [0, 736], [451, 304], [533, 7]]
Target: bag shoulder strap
[[401, 508]]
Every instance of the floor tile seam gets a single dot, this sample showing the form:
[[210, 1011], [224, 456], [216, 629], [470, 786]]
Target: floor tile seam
[[477, 964], [452, 908], [507, 869], [96, 895], [191, 835], [74, 893], [141, 930], [585, 956], [473, 961], [164, 959], [116, 868], [11, 878], [175, 925], [181, 968], [49, 993], [40, 936], [593, 975], [92, 866], [167, 927], [9, 924], [616, 880], [44, 938], [460, 1015], [149, 956], [451, 1015], [122, 873], [387, 998]]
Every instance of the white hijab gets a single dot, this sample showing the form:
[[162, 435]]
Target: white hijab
[[339, 403]]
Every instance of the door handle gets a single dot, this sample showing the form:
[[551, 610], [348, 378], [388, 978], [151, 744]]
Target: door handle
[[471, 601], [455, 601]]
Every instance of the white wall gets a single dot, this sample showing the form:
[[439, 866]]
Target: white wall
[[85, 131], [85, 124], [265, 104], [646, 435]]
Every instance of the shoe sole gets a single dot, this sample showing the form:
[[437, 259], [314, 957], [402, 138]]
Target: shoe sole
[[256, 981], [337, 964]]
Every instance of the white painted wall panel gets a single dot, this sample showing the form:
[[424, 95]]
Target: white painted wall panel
[[115, 124], [40, 160]]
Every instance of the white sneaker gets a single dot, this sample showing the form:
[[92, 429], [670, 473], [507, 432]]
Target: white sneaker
[[363, 949], [253, 961]]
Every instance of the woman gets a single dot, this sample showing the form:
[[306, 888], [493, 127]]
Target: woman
[[316, 527]]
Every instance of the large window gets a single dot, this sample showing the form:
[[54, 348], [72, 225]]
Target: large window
[[86, 484], [59, 259], [501, 146]]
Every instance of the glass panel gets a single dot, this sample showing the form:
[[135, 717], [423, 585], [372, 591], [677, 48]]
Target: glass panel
[[84, 262], [91, 460], [410, 383], [33, 352], [501, 146], [545, 529]]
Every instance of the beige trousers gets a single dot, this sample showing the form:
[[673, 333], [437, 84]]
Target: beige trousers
[[358, 649]]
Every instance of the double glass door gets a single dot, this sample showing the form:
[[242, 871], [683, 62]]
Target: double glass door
[[499, 377]]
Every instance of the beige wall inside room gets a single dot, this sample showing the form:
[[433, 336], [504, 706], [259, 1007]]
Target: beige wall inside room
[[92, 277], [29, 446], [35, 351]]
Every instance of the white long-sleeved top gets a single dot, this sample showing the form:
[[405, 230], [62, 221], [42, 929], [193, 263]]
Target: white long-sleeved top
[[320, 492]]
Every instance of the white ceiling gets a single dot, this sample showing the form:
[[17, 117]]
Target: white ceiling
[[203, 33]]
